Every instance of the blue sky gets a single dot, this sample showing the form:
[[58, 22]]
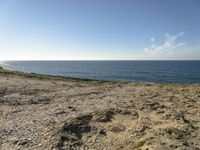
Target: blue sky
[[99, 29]]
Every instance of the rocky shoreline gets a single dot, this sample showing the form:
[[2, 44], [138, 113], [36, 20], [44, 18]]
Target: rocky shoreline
[[54, 113]]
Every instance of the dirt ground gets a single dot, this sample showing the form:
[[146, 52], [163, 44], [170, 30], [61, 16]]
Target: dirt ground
[[62, 114]]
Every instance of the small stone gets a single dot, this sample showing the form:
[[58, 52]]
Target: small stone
[[102, 131], [51, 120], [34, 121], [118, 128], [8, 130], [23, 142]]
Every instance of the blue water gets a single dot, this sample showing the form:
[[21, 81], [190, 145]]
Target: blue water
[[136, 71]]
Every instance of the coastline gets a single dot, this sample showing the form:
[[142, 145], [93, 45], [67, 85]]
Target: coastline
[[130, 71], [53, 112], [65, 78]]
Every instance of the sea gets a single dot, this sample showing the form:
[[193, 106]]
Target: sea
[[134, 71]]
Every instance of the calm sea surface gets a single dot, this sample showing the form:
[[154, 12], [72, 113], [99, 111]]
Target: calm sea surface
[[137, 71]]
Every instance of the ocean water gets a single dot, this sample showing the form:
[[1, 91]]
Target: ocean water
[[136, 71]]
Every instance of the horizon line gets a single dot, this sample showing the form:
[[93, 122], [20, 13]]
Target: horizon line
[[109, 60]]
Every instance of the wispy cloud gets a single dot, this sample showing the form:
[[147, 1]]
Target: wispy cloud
[[152, 39], [173, 48], [170, 43]]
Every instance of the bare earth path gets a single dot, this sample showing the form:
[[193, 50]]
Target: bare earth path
[[46, 114]]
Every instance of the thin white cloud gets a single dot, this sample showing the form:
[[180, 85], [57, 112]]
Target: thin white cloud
[[170, 43], [183, 53], [152, 39], [173, 48]]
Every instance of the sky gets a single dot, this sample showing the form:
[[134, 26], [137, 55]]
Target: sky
[[99, 29]]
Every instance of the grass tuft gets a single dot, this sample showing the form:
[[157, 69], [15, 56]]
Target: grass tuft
[[50, 77], [139, 144]]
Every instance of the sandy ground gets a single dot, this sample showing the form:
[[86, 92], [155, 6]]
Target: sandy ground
[[55, 114]]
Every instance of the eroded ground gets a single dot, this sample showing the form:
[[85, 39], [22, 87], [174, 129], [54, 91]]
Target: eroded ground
[[75, 114]]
